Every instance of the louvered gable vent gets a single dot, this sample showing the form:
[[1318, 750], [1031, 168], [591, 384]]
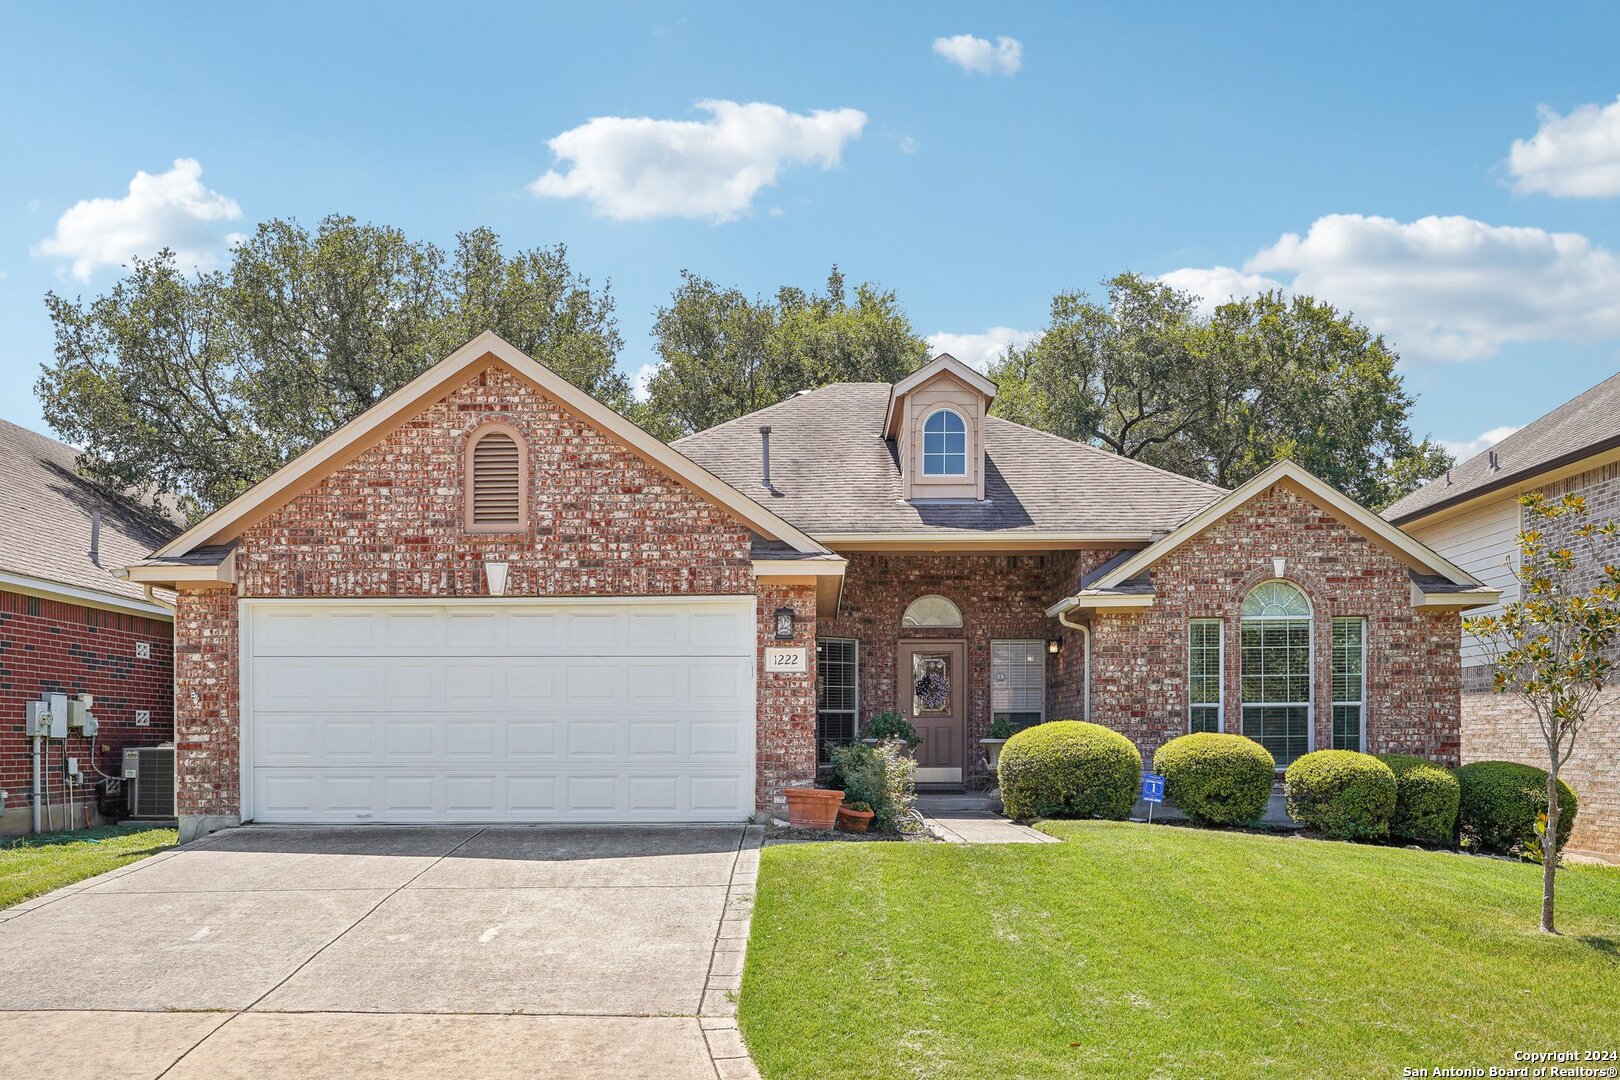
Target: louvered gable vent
[[497, 482]]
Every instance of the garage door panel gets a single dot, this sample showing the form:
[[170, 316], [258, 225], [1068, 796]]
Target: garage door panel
[[588, 711]]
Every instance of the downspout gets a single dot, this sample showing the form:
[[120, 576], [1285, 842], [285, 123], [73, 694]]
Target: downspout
[[1085, 632]]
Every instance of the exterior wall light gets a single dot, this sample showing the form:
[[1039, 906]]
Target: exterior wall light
[[1054, 645], [784, 624]]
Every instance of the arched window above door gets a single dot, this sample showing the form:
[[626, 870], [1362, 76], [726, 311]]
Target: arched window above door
[[932, 612]]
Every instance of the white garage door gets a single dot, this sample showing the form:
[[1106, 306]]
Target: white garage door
[[530, 710]]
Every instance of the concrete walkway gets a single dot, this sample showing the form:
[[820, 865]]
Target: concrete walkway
[[982, 827], [391, 952]]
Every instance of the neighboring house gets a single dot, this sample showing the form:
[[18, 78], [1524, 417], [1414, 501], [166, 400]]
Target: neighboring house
[[491, 598], [67, 625], [1472, 515]]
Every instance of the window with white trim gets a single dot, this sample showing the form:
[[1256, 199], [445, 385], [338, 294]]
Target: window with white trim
[[837, 693], [1205, 664], [1275, 681], [1018, 682], [944, 444], [1349, 684], [933, 612]]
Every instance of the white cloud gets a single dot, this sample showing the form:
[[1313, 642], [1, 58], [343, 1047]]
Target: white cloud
[[638, 168], [1574, 156], [978, 56], [908, 145], [641, 381], [978, 351], [1462, 451], [1443, 288], [1216, 285], [171, 209]]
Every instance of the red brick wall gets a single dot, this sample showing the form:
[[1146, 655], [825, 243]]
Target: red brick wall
[[1000, 596], [47, 646], [1139, 679], [603, 521], [1499, 727], [786, 733], [207, 775]]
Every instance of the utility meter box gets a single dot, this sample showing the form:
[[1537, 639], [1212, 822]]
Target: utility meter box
[[47, 721]]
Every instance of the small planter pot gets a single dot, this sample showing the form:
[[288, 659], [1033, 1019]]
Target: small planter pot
[[813, 808], [992, 751], [854, 820]]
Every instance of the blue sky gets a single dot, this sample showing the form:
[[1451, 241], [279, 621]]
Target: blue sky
[[1367, 156]]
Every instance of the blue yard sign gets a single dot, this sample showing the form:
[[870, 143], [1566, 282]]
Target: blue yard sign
[[1152, 791]]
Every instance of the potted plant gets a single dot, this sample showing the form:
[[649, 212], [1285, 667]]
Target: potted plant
[[890, 725], [856, 816], [813, 807], [1000, 731]]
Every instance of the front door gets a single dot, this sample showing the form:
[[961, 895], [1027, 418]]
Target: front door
[[931, 697]]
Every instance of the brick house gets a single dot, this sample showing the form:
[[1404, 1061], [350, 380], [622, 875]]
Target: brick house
[[491, 598], [1472, 515], [68, 626]]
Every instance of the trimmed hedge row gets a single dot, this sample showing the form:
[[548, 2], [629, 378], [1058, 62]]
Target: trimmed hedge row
[[1069, 768], [1426, 798], [1217, 779], [1342, 794], [1501, 802]]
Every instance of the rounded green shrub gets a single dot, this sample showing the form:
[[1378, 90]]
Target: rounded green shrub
[[1217, 779], [1501, 802], [1426, 799], [1341, 794], [1069, 768]]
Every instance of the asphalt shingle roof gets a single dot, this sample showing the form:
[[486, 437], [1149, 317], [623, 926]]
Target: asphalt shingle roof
[[832, 471], [1584, 425], [46, 509]]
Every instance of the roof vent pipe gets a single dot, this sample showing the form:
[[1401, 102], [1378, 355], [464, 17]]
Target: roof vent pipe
[[765, 456], [1494, 463], [95, 537]]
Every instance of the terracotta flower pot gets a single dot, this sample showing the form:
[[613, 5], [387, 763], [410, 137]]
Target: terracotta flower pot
[[813, 808], [854, 820]]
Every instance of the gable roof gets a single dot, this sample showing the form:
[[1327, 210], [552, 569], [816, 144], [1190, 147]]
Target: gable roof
[[834, 475], [1579, 428], [47, 511], [943, 364], [326, 456], [1126, 575]]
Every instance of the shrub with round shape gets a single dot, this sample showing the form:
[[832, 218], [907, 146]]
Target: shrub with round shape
[[1341, 794], [1069, 769], [1501, 802], [1217, 779], [1426, 798]]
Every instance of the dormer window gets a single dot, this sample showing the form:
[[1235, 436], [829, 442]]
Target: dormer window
[[937, 418], [944, 444]]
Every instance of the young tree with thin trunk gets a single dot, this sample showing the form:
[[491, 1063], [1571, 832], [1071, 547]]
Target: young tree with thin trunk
[[1553, 648]]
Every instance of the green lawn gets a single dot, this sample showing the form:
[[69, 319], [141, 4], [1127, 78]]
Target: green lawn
[[31, 865], [1135, 950]]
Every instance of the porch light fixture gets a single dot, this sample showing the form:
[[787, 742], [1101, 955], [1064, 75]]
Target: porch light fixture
[[784, 624], [1054, 645], [495, 576]]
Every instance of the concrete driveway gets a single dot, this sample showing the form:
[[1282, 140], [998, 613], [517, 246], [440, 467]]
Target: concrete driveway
[[391, 952]]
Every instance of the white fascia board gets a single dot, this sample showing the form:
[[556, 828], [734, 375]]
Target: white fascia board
[[73, 594]]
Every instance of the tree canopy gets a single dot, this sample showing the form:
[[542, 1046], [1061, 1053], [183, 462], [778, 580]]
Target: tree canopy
[[724, 355], [1221, 397], [199, 386]]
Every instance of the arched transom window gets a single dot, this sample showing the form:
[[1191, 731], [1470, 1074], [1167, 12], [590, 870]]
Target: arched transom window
[[932, 611], [944, 444], [1276, 679], [496, 480]]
